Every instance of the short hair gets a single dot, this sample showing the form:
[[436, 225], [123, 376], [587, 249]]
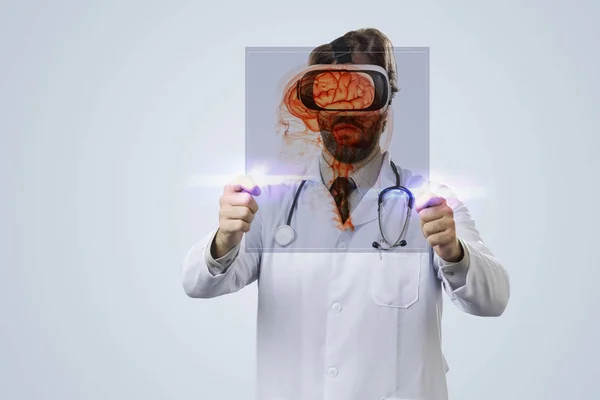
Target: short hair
[[370, 41]]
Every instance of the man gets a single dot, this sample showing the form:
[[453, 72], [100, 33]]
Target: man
[[339, 316]]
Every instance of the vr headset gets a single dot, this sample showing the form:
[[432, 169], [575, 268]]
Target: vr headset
[[344, 87]]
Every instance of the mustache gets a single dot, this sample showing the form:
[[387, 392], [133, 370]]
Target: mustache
[[346, 120]]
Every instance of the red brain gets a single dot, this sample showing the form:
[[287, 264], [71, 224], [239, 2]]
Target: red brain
[[343, 90]]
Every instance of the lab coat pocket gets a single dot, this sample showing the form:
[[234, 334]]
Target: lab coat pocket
[[395, 280]]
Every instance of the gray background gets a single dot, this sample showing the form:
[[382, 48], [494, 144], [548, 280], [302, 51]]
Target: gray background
[[409, 113], [108, 109]]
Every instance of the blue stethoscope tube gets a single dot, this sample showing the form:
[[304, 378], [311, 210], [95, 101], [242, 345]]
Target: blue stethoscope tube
[[285, 234]]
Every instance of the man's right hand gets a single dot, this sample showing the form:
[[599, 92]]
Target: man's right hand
[[236, 213]]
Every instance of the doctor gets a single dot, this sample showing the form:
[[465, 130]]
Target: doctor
[[342, 315]]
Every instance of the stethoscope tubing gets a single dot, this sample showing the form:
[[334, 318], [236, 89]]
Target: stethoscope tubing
[[289, 235]]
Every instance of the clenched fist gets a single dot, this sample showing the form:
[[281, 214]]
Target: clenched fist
[[437, 224], [236, 213]]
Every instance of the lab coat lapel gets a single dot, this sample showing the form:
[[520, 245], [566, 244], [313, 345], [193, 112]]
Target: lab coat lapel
[[366, 211], [326, 203]]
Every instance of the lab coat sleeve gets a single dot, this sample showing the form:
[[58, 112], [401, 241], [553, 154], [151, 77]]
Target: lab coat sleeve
[[479, 283], [220, 265], [454, 274], [204, 277]]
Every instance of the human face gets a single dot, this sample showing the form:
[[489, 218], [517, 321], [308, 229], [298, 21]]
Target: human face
[[351, 137]]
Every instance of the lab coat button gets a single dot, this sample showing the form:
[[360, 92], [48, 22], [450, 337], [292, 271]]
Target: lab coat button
[[342, 245], [332, 372], [336, 307]]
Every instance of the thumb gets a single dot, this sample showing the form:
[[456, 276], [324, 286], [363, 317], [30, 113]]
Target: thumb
[[428, 199], [243, 183]]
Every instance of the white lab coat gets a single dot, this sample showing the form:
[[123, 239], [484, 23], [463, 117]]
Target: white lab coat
[[338, 319]]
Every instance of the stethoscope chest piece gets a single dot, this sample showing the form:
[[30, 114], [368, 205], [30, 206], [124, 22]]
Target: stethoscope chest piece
[[284, 235]]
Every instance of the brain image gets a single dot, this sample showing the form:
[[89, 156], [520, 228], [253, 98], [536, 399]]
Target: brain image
[[343, 90], [331, 90]]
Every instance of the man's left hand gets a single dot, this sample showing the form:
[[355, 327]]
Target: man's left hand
[[437, 224]]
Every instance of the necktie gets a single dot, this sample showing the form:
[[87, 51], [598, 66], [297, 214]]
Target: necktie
[[341, 190]]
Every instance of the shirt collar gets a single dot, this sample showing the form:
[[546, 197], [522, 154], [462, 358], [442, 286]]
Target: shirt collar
[[376, 170], [364, 174]]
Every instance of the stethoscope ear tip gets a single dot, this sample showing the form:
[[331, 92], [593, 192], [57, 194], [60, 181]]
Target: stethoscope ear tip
[[377, 245]]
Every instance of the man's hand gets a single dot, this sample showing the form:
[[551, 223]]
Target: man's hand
[[236, 213], [437, 224]]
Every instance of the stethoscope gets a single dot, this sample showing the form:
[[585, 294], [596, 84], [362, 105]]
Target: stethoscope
[[285, 234]]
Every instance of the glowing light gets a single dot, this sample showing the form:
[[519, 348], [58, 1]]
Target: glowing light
[[219, 180], [463, 186], [259, 170]]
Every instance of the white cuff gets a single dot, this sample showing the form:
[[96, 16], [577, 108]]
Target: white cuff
[[221, 264], [455, 273]]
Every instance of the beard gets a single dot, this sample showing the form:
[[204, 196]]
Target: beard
[[351, 139]]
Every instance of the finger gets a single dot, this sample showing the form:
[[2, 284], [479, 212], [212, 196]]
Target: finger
[[435, 212], [441, 238], [243, 184], [237, 212], [240, 199], [437, 226], [428, 200], [235, 225]]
